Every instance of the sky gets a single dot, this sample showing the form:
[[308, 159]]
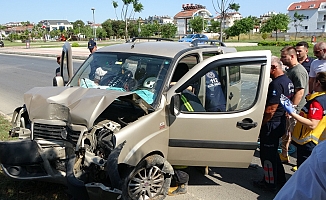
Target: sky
[[72, 10]]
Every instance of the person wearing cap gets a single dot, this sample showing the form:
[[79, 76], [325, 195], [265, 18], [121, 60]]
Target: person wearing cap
[[92, 46], [57, 70]]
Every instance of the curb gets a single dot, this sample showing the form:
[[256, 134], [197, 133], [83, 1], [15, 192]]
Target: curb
[[43, 55]]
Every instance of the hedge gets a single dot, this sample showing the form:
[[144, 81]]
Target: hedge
[[279, 43]]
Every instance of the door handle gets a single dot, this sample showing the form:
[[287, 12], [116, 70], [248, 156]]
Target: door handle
[[247, 124], [230, 95]]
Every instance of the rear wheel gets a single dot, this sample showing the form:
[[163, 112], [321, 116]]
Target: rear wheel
[[147, 180]]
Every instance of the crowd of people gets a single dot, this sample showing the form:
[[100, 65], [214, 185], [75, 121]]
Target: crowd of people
[[295, 112]]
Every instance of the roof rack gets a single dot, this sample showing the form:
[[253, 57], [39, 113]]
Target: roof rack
[[199, 41], [149, 38]]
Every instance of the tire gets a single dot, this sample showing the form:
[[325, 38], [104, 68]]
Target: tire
[[148, 180]]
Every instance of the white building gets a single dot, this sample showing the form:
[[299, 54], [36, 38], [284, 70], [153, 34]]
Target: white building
[[188, 12], [315, 17], [51, 25], [229, 19]]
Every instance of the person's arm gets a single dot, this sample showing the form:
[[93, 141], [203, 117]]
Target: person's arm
[[269, 113], [315, 114], [298, 95], [310, 123], [311, 83]]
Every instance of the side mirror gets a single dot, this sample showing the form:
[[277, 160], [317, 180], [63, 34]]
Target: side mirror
[[175, 105], [58, 81]]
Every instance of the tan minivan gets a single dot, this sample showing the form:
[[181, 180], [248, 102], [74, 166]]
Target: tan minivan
[[114, 128]]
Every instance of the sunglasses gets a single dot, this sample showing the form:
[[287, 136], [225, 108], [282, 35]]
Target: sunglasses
[[316, 52]]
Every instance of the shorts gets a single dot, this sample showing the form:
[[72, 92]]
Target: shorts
[[290, 123]]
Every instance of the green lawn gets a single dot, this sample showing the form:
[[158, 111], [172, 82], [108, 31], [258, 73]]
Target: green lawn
[[274, 49]]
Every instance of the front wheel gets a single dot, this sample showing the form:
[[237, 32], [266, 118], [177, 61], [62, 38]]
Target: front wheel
[[148, 180]]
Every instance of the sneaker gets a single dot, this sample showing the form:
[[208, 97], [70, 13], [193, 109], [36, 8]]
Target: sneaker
[[263, 185], [180, 189], [295, 168], [284, 159]]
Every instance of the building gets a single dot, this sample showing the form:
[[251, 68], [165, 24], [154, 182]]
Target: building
[[229, 19], [188, 12], [314, 17], [15, 28], [159, 19], [51, 25]]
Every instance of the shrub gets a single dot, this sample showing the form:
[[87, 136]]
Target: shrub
[[264, 36], [75, 44]]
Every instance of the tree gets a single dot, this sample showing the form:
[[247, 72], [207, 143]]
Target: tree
[[146, 30], [241, 26], [107, 26], [255, 24], [276, 23], [223, 7], [168, 30], [214, 27], [198, 24], [127, 11], [297, 19], [101, 33]]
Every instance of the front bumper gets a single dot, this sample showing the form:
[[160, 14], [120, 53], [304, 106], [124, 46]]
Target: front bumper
[[23, 160]]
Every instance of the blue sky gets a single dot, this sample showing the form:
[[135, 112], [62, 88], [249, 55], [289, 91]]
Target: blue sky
[[72, 10]]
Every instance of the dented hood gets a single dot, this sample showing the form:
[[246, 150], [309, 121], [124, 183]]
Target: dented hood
[[74, 104]]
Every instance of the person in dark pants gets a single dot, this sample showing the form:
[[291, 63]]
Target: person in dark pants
[[273, 127], [311, 122]]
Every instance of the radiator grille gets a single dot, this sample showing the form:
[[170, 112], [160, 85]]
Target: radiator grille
[[54, 132]]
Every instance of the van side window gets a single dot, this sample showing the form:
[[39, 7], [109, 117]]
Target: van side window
[[226, 89]]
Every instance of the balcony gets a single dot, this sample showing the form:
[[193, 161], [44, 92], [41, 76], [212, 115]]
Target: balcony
[[321, 20]]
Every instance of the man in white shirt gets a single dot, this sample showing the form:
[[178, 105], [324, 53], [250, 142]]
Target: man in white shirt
[[318, 65]]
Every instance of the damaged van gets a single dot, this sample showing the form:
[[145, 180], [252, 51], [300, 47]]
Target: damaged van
[[114, 128]]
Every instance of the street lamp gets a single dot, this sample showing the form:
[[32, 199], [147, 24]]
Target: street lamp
[[94, 30], [79, 31], [139, 30]]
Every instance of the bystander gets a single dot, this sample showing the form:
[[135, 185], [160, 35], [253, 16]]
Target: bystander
[[273, 127]]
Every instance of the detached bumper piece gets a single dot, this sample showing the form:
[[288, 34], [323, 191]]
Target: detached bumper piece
[[21, 159]]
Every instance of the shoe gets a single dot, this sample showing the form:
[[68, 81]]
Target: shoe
[[295, 168], [263, 185], [284, 159], [180, 189]]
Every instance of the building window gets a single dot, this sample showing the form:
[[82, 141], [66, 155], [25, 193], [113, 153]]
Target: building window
[[297, 7], [312, 6], [306, 17], [305, 27]]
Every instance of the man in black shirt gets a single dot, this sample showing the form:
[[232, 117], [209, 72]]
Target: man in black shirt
[[302, 55], [273, 127]]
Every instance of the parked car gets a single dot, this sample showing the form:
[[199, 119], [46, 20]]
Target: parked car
[[191, 37], [2, 44], [115, 127]]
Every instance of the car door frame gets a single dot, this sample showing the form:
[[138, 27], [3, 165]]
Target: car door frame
[[187, 147]]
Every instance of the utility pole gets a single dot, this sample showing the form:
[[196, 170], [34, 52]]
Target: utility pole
[[94, 29], [222, 20]]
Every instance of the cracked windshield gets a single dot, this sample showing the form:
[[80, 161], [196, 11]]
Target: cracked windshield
[[140, 74]]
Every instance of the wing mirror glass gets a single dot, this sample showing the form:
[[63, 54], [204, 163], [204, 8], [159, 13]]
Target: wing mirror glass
[[58, 81], [175, 105]]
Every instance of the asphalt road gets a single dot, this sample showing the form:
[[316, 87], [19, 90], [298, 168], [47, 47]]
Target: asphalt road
[[21, 73]]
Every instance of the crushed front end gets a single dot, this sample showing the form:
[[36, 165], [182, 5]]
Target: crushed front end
[[68, 140]]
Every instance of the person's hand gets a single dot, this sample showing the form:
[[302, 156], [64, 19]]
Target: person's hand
[[287, 104]]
